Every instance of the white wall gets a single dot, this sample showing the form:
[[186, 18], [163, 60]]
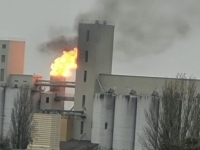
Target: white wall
[[4, 65], [103, 119], [100, 48], [11, 95], [1, 108]]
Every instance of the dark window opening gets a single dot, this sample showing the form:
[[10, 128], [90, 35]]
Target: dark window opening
[[47, 99], [24, 81], [16, 80], [2, 75], [3, 45], [82, 124], [88, 35], [106, 125], [83, 101], [85, 76], [3, 58], [86, 56]]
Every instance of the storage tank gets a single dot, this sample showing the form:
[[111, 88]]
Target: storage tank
[[11, 95], [143, 105], [124, 122], [1, 109], [103, 118]]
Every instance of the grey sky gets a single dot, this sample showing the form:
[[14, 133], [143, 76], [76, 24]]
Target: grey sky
[[38, 21]]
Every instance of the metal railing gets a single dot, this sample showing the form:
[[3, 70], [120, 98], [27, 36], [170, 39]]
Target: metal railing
[[12, 39], [97, 22]]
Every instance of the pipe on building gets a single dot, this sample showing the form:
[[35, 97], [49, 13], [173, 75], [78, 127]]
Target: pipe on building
[[3, 110], [100, 85]]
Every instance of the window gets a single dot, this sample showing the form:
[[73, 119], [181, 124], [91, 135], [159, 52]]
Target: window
[[85, 76], [16, 80], [47, 99], [2, 75], [82, 124], [3, 46], [88, 35], [106, 125], [83, 101], [3, 58], [24, 81], [86, 56]]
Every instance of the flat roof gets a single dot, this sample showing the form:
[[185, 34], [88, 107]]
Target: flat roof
[[129, 76], [25, 75]]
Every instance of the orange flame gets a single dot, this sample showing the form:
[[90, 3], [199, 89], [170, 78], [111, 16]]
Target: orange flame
[[63, 65]]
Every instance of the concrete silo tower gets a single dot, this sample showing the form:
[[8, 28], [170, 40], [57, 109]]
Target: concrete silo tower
[[95, 45]]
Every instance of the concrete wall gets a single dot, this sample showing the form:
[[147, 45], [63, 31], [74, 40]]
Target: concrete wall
[[6, 106], [52, 104], [97, 39], [16, 57], [103, 119], [20, 80], [143, 103], [1, 109], [4, 65], [11, 95], [124, 122], [14, 52]]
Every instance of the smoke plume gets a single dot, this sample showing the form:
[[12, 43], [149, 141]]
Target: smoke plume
[[58, 44], [144, 27]]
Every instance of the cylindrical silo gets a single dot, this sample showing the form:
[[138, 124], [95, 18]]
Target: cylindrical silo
[[1, 109], [145, 104], [103, 118], [124, 122], [10, 96]]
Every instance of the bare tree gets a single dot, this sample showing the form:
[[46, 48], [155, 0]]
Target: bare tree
[[5, 143], [177, 120], [22, 127]]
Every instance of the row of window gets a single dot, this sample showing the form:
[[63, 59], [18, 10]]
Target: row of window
[[18, 81], [85, 79]]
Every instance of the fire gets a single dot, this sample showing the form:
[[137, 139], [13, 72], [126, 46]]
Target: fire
[[63, 65]]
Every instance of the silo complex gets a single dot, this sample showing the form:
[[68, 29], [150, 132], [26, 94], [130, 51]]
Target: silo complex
[[103, 117], [124, 122]]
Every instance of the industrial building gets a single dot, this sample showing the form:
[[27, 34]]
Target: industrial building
[[108, 109]]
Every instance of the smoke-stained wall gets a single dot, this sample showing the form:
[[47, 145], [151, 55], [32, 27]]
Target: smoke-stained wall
[[125, 118], [103, 119], [124, 122]]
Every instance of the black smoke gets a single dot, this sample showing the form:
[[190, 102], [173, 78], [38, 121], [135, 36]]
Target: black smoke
[[142, 27]]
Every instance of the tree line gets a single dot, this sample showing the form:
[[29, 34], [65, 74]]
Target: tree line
[[22, 126], [173, 118]]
